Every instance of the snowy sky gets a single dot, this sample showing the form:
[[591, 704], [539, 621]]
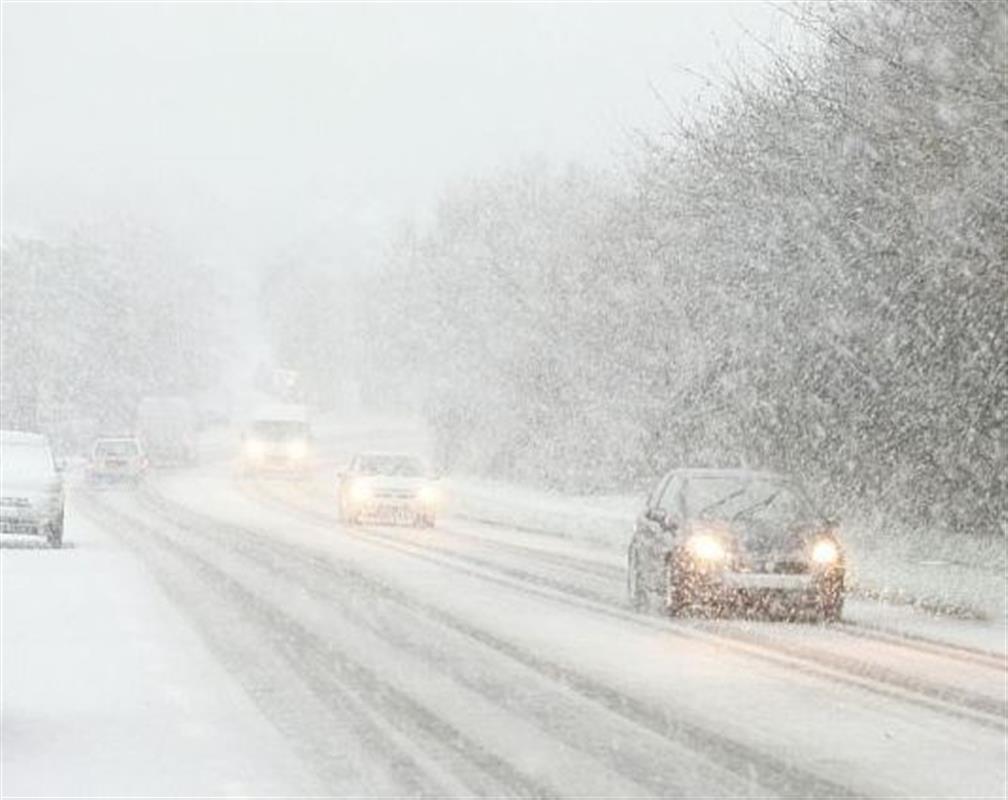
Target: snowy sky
[[245, 128]]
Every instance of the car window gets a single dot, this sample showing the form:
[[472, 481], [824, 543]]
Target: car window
[[123, 449], [401, 466], [278, 430], [670, 499], [734, 498]]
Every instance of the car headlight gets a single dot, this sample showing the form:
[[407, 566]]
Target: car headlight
[[255, 449], [825, 552], [297, 449], [360, 490], [429, 495], [706, 548]]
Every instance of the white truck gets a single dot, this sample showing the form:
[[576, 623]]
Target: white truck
[[278, 440], [166, 427]]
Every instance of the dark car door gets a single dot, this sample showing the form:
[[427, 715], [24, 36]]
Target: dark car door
[[652, 540]]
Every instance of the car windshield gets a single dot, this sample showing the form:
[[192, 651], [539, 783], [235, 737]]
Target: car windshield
[[736, 499], [119, 448], [278, 429], [402, 466], [25, 460]]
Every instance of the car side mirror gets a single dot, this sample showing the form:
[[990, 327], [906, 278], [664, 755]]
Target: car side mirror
[[662, 517], [832, 521], [60, 464]]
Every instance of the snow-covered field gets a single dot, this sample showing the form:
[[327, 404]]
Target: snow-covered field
[[207, 635]]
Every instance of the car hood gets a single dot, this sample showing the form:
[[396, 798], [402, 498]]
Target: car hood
[[31, 487], [396, 482], [766, 539]]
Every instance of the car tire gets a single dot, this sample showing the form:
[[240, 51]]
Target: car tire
[[639, 597], [54, 535], [675, 602], [831, 599], [831, 609]]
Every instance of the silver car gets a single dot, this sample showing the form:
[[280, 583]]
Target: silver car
[[31, 487]]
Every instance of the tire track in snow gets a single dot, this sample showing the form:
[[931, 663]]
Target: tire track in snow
[[393, 722], [781, 777], [892, 684], [639, 760]]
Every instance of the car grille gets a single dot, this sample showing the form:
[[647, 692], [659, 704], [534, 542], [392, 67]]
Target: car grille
[[773, 567], [395, 494], [789, 567]]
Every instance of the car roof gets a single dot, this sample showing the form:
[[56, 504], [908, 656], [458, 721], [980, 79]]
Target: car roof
[[102, 439], [23, 437], [281, 412]]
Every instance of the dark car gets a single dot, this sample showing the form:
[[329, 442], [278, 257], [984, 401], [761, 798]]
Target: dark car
[[734, 541]]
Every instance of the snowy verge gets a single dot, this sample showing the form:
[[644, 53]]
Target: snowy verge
[[963, 577], [960, 577], [106, 690]]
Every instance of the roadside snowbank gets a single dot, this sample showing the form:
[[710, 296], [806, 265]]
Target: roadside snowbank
[[960, 577]]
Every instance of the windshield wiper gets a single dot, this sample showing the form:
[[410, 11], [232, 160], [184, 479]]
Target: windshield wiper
[[722, 501], [764, 502]]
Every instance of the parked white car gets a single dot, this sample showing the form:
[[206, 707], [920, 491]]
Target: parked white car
[[31, 487]]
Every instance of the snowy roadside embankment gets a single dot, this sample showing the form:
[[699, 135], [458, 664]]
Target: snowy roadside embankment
[[960, 576], [107, 691]]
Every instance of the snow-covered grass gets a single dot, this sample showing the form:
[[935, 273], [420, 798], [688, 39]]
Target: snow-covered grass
[[960, 575], [955, 575]]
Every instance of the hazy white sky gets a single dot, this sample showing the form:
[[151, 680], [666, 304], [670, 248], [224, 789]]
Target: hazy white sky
[[246, 127]]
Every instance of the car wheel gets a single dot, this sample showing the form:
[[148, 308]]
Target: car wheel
[[54, 535], [831, 608], [831, 599], [637, 592], [675, 600]]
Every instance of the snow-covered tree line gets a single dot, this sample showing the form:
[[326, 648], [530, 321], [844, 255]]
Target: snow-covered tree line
[[91, 323], [811, 278], [309, 310]]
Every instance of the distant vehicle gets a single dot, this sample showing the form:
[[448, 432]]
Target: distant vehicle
[[31, 487], [734, 540], [166, 427], [279, 441], [117, 460], [393, 487]]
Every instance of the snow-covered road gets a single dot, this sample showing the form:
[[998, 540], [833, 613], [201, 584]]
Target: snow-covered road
[[208, 636]]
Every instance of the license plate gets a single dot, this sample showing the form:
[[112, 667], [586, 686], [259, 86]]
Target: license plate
[[17, 527], [760, 580]]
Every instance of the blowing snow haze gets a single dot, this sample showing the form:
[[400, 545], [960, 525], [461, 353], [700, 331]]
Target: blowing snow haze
[[248, 128], [492, 400]]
